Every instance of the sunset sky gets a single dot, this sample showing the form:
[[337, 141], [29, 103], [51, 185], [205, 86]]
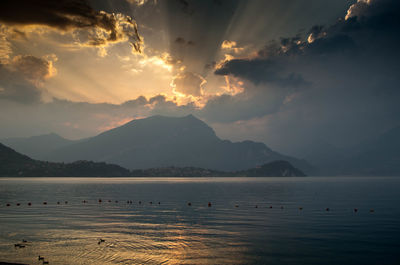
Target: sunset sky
[[297, 75]]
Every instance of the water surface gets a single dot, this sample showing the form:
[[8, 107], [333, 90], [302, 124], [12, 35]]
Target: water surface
[[240, 227]]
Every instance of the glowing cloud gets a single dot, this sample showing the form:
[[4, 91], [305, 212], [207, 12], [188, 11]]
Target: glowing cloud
[[189, 84]]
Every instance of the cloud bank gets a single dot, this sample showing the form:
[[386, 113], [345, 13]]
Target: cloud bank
[[338, 83], [68, 15]]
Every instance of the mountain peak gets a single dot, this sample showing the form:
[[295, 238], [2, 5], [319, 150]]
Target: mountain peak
[[160, 141]]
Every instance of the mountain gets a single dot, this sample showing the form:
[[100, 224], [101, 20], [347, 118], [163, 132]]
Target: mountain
[[14, 164], [275, 168], [376, 156], [160, 141], [37, 147]]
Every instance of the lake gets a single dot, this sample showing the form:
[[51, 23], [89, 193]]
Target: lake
[[249, 221]]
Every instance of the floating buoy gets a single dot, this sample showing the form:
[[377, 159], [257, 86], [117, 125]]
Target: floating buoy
[[66, 202], [151, 202], [45, 203], [8, 205], [58, 202], [355, 210], [327, 209], [209, 204], [109, 200], [256, 206], [189, 204], [270, 206], [116, 201], [99, 200], [159, 203], [300, 208], [237, 206], [371, 210], [29, 204], [18, 204], [140, 202]]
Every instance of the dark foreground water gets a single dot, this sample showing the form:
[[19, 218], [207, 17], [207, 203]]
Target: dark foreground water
[[231, 231]]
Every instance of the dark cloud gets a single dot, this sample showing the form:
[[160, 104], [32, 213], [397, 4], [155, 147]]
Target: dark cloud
[[15, 87], [353, 89], [369, 28], [182, 41], [70, 15], [33, 68], [261, 70], [21, 77], [255, 101]]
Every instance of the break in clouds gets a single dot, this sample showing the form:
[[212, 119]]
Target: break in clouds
[[327, 86]]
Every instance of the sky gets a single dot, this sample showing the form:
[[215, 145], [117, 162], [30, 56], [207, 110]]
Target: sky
[[298, 75]]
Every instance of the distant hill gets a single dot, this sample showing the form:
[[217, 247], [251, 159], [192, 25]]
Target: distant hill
[[272, 169], [159, 141], [275, 168], [14, 164], [37, 147], [376, 156]]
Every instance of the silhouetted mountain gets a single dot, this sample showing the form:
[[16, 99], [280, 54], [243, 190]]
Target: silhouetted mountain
[[14, 164], [272, 169], [160, 141], [377, 156], [37, 147], [275, 168]]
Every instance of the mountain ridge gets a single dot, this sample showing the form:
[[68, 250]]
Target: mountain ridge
[[160, 141], [14, 164], [38, 146]]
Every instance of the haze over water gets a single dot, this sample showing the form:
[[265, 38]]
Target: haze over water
[[231, 231]]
